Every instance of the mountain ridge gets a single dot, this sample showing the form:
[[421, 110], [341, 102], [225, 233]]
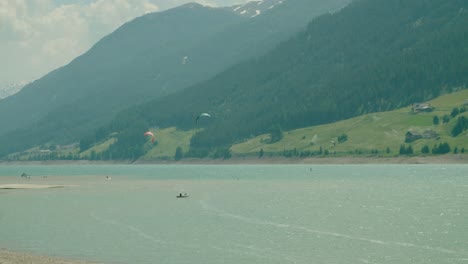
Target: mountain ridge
[[383, 62], [93, 98], [97, 67], [375, 135]]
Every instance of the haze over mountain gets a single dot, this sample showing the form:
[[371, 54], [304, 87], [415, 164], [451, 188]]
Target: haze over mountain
[[374, 55], [40, 36], [12, 88], [151, 56]]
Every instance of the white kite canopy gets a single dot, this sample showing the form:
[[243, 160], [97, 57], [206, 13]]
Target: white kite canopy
[[149, 133], [205, 114], [202, 115]]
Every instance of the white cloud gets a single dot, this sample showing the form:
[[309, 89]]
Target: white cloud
[[37, 36]]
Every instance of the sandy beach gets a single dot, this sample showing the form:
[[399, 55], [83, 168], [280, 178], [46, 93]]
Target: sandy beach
[[29, 186], [10, 257]]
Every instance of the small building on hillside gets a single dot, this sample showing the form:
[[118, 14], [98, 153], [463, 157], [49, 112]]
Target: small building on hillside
[[412, 135], [422, 107], [429, 133]]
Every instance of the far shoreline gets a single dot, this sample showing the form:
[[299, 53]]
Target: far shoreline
[[439, 159]]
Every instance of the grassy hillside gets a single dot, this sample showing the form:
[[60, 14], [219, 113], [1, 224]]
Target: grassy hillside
[[376, 131], [148, 57], [372, 56], [167, 140], [164, 147], [366, 133]]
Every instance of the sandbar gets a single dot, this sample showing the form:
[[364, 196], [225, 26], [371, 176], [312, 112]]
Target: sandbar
[[29, 186], [10, 257]]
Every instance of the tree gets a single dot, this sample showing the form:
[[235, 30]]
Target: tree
[[406, 150], [445, 148], [435, 120], [93, 155], [442, 148], [260, 154], [445, 119], [409, 150], [342, 138], [85, 143], [454, 112], [178, 153], [222, 152], [425, 149], [460, 126], [276, 134], [402, 150]]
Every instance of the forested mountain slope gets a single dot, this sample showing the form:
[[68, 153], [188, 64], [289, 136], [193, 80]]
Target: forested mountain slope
[[151, 56], [111, 69], [374, 55]]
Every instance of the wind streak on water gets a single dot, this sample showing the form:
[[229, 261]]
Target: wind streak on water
[[133, 229], [250, 220], [261, 254]]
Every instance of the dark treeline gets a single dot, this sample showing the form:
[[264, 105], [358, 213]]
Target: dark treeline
[[460, 126], [374, 55]]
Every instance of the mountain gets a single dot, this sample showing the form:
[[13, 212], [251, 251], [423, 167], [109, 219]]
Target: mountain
[[12, 88], [118, 70], [374, 55], [151, 56], [379, 134], [255, 8], [376, 134]]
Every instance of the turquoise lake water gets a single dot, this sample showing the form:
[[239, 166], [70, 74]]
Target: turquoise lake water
[[240, 214]]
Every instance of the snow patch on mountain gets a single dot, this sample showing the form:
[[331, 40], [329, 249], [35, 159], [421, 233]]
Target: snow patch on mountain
[[255, 8]]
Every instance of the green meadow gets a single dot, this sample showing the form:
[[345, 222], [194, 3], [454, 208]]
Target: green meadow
[[375, 131], [166, 142], [379, 133]]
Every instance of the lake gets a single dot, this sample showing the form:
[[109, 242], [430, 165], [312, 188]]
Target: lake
[[239, 213]]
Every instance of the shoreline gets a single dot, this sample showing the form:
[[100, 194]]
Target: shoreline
[[9, 256], [439, 159], [14, 257], [28, 186]]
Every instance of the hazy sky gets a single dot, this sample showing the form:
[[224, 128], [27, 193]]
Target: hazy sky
[[37, 36]]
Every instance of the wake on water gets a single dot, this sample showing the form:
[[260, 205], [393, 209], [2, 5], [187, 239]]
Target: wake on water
[[267, 253], [256, 221]]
